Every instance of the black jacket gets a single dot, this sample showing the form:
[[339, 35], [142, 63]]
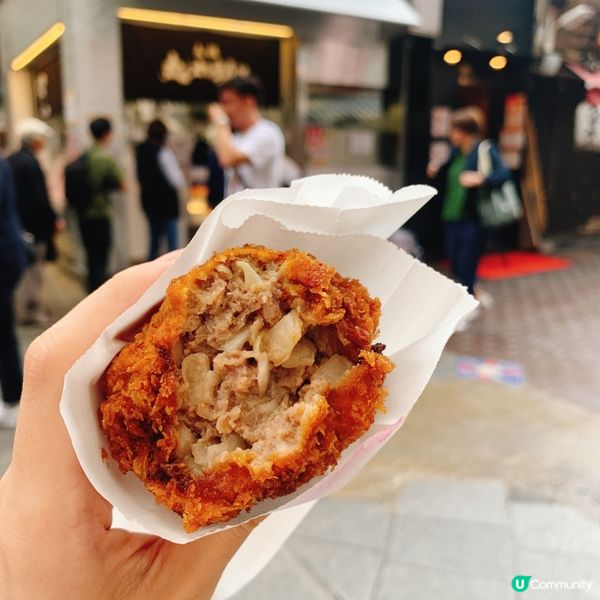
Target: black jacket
[[13, 256], [35, 212], [159, 197]]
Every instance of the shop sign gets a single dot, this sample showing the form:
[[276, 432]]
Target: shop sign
[[207, 62], [189, 65]]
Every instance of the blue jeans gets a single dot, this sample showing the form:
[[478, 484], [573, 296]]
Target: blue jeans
[[163, 228], [464, 247]]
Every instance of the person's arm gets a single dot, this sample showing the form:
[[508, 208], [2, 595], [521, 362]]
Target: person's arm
[[56, 539], [226, 150], [170, 168]]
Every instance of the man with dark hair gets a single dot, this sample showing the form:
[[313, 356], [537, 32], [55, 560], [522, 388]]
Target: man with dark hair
[[160, 180], [104, 177], [250, 147], [100, 128]]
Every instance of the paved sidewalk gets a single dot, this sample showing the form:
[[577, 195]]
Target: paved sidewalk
[[439, 539]]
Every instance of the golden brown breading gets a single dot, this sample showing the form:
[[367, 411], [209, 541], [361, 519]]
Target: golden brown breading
[[151, 407]]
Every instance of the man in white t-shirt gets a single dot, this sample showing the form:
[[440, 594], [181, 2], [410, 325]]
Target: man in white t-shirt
[[250, 147]]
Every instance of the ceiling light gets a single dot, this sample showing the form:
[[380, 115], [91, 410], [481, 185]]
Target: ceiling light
[[452, 57], [505, 37], [498, 62], [38, 46], [160, 17]]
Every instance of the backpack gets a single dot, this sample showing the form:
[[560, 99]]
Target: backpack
[[78, 188]]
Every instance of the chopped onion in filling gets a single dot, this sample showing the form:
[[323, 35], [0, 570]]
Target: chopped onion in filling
[[333, 370], [280, 340], [252, 387], [303, 355]]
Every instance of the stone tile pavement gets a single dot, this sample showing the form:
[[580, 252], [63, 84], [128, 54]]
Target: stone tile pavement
[[548, 323], [438, 539]]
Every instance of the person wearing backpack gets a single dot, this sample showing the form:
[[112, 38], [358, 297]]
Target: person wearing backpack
[[89, 183]]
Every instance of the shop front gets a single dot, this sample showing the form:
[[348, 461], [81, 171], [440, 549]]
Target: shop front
[[325, 68]]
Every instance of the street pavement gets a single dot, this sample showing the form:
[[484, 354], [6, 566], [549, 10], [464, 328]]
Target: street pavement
[[486, 480]]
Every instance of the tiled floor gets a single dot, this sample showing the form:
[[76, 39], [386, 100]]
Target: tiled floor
[[551, 324], [420, 549]]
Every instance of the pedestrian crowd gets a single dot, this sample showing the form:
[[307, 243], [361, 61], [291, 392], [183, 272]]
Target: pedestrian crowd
[[246, 150]]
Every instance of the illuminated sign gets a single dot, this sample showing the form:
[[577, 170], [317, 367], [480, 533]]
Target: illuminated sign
[[188, 65], [207, 62]]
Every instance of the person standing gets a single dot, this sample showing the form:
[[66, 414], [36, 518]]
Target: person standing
[[13, 261], [205, 165], [459, 181], [250, 147], [35, 213], [95, 215], [160, 180]]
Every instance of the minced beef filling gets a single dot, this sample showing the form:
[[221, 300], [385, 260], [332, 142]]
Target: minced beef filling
[[252, 369]]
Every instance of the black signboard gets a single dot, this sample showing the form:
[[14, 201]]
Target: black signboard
[[186, 65]]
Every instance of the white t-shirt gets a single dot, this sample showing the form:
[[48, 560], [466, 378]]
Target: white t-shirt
[[264, 145]]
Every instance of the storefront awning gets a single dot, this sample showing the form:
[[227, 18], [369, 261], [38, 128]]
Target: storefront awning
[[399, 12]]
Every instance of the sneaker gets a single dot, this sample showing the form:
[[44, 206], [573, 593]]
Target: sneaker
[[485, 298], [8, 415]]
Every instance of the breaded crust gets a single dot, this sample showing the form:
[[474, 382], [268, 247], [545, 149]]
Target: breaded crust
[[139, 412]]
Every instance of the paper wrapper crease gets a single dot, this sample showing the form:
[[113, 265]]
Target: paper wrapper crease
[[344, 221]]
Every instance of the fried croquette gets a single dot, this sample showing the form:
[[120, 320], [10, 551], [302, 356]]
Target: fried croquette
[[250, 379]]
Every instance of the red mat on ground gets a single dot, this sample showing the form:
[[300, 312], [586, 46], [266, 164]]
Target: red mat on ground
[[516, 264]]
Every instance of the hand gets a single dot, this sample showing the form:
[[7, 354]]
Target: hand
[[55, 536], [432, 170], [471, 179], [217, 115]]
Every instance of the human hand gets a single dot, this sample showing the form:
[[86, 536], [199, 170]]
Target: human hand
[[55, 536], [217, 115], [471, 179], [432, 170]]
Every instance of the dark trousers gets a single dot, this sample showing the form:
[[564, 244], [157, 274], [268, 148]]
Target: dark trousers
[[97, 238], [11, 372], [161, 228], [464, 246]]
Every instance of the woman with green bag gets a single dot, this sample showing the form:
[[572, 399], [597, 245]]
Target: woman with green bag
[[460, 182]]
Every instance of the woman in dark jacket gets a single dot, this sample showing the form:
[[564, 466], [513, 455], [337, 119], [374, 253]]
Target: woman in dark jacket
[[13, 260], [459, 182]]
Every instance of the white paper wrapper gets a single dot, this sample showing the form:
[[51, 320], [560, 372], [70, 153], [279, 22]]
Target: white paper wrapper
[[343, 220]]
